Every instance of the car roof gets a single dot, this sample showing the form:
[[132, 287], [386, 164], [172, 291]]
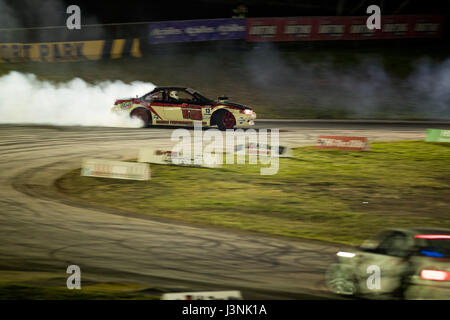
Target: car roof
[[170, 88], [422, 230]]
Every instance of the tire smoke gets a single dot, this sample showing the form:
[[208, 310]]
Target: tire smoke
[[26, 99], [364, 88]]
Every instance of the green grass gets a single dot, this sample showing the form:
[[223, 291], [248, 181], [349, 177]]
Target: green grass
[[26, 285], [21, 291], [10, 291], [330, 195]]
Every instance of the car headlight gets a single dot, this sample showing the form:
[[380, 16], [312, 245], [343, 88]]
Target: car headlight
[[345, 254], [248, 111]]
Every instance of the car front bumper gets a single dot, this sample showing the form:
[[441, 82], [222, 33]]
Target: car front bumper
[[245, 120]]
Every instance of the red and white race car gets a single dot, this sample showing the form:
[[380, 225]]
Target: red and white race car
[[183, 106]]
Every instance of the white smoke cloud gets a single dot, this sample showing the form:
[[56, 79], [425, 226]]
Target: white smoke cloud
[[26, 99], [430, 85], [364, 88]]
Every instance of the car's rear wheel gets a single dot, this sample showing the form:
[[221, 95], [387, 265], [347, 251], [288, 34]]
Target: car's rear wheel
[[225, 120], [143, 114]]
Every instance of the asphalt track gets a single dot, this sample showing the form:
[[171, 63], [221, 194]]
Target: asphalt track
[[42, 232]]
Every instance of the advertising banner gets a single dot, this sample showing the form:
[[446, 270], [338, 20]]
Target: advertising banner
[[196, 30], [159, 156], [342, 28], [265, 150], [206, 295], [104, 168], [437, 135], [51, 51], [69, 51], [343, 143]]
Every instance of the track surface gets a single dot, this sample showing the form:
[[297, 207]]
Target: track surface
[[38, 232]]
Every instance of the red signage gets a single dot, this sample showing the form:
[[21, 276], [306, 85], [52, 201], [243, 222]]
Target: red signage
[[342, 28], [343, 143]]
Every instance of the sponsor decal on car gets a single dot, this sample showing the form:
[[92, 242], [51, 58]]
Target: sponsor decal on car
[[126, 105]]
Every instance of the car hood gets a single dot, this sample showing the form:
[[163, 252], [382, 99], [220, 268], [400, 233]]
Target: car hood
[[122, 100], [232, 104]]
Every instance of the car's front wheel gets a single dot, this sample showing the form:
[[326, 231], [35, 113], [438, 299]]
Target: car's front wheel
[[340, 280], [225, 120], [143, 114]]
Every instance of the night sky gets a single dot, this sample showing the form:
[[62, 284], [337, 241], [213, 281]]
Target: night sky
[[32, 13]]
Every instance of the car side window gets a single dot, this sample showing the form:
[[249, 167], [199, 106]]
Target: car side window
[[371, 245], [156, 96], [396, 244], [186, 97]]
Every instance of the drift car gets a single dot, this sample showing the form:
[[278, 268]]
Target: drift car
[[183, 106], [414, 263]]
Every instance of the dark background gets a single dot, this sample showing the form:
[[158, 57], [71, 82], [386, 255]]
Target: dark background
[[45, 20], [30, 12]]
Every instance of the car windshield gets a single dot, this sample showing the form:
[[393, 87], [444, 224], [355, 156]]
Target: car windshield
[[374, 242], [202, 98]]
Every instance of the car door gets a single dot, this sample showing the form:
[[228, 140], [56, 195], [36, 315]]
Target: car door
[[191, 108], [192, 111], [172, 106], [387, 262], [155, 102]]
